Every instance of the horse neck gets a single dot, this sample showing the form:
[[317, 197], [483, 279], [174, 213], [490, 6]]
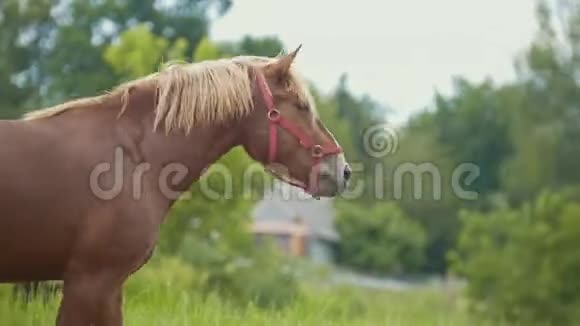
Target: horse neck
[[178, 154], [195, 151]]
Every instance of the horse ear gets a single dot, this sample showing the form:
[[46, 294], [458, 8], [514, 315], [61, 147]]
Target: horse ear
[[281, 66]]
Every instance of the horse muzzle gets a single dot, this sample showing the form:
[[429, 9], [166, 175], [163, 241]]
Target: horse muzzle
[[331, 177]]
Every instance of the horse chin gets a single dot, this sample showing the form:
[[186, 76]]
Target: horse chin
[[285, 177], [327, 187]]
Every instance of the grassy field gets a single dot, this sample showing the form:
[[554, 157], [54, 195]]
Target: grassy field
[[321, 307], [155, 299]]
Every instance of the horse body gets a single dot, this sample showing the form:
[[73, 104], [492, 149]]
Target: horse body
[[66, 213], [34, 204], [84, 191]]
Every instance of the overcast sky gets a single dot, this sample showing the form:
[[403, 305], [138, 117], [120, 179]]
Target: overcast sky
[[397, 51]]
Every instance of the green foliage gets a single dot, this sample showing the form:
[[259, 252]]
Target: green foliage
[[15, 57], [139, 52], [473, 127], [207, 50], [261, 276], [264, 277], [523, 136], [360, 113], [546, 118], [259, 46], [381, 238], [522, 264], [50, 52], [268, 46], [426, 198]]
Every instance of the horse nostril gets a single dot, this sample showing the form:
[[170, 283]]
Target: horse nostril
[[347, 173]]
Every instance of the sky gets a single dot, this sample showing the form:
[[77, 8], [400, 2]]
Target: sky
[[397, 51]]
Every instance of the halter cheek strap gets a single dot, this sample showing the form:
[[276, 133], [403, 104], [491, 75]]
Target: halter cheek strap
[[275, 120]]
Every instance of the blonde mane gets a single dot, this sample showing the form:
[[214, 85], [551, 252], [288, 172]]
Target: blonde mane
[[191, 95]]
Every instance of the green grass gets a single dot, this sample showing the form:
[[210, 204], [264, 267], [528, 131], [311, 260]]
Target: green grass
[[320, 307], [165, 296]]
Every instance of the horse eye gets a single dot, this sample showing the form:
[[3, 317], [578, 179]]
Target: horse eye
[[303, 107]]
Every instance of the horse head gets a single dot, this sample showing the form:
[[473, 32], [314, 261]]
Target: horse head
[[285, 133]]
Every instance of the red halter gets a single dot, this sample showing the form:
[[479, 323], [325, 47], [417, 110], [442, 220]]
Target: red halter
[[276, 120]]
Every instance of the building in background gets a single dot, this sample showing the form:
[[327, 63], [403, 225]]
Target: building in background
[[299, 226]]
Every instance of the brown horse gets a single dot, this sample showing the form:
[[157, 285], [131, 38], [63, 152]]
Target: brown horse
[[70, 209]]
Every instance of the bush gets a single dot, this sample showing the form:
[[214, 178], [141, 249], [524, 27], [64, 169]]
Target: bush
[[268, 280], [163, 273], [260, 275], [381, 239], [522, 265]]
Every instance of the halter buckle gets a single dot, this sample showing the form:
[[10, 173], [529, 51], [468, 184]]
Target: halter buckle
[[274, 115], [317, 151]]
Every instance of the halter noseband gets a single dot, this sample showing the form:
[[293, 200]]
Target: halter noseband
[[275, 118]]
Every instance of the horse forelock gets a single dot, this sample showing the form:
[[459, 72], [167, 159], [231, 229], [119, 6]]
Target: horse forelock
[[191, 95]]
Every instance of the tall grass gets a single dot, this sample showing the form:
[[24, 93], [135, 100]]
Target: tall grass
[[155, 298], [342, 306]]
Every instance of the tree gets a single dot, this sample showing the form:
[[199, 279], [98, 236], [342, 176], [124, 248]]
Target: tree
[[261, 46], [546, 124], [139, 52], [522, 136], [42, 39], [522, 264], [379, 239], [360, 113], [473, 125], [17, 81], [424, 192]]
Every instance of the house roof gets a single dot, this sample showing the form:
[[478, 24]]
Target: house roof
[[281, 207], [280, 227]]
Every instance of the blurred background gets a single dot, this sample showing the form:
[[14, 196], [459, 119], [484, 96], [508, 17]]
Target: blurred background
[[468, 97]]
